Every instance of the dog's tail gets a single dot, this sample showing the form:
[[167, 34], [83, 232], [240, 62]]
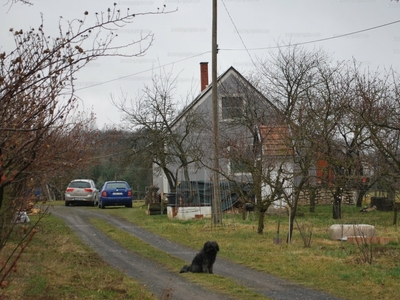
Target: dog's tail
[[184, 269]]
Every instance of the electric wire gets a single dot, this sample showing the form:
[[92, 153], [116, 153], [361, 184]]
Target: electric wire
[[238, 33], [318, 40], [245, 49], [144, 71]]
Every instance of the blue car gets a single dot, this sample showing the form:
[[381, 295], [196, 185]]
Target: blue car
[[115, 193]]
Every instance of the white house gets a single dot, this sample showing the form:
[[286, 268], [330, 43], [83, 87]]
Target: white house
[[245, 115]]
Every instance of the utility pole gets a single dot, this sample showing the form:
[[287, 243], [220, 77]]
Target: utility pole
[[216, 203]]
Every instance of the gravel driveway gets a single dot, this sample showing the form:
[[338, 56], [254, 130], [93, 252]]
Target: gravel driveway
[[160, 280]]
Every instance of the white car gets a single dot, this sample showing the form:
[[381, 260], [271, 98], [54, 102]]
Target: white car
[[81, 191]]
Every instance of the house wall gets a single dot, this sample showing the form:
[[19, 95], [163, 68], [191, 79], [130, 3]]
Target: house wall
[[230, 83], [160, 180], [189, 213], [286, 177]]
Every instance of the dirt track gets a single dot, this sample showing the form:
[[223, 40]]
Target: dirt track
[[159, 280]]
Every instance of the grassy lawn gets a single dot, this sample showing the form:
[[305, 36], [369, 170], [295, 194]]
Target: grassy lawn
[[215, 282], [56, 265], [336, 267]]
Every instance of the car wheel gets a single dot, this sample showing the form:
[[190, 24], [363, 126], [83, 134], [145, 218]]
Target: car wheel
[[101, 205], [129, 205], [66, 203]]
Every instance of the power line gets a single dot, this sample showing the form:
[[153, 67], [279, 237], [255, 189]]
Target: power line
[[238, 33], [317, 41], [144, 71], [245, 49]]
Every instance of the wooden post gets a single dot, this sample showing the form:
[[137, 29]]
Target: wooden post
[[216, 202]]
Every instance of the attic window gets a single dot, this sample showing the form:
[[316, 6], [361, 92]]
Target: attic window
[[232, 107]]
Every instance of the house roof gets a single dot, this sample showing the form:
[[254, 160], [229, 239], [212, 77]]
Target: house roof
[[276, 140], [208, 90]]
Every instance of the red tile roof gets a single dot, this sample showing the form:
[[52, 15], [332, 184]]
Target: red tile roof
[[276, 140]]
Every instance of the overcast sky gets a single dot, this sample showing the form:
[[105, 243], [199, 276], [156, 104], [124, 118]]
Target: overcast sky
[[183, 39]]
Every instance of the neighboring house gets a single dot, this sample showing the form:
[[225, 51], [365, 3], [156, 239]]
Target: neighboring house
[[242, 108]]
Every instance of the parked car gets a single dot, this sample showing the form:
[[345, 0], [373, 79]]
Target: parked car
[[81, 191], [115, 193]]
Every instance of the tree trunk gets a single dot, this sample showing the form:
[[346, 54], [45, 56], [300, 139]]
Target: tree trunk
[[1, 176], [261, 214], [293, 209], [171, 180], [290, 233], [396, 208], [1, 194], [391, 194], [292, 216], [313, 196], [360, 197], [337, 207]]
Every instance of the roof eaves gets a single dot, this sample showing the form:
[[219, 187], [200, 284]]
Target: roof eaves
[[199, 98]]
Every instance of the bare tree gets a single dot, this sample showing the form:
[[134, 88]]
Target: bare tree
[[379, 98], [11, 2], [318, 99], [346, 142], [291, 80], [37, 95], [169, 141], [37, 82]]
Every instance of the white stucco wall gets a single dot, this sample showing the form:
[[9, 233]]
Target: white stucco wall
[[286, 176], [188, 213]]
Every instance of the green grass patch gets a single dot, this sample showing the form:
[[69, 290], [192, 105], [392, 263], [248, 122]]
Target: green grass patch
[[331, 266], [56, 265], [213, 282]]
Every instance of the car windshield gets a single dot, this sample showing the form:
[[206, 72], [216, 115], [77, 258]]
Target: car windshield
[[79, 184], [116, 185]]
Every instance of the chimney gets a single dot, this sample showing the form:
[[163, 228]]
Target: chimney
[[203, 75]]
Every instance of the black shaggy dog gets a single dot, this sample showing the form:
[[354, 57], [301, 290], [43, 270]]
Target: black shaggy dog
[[204, 260]]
